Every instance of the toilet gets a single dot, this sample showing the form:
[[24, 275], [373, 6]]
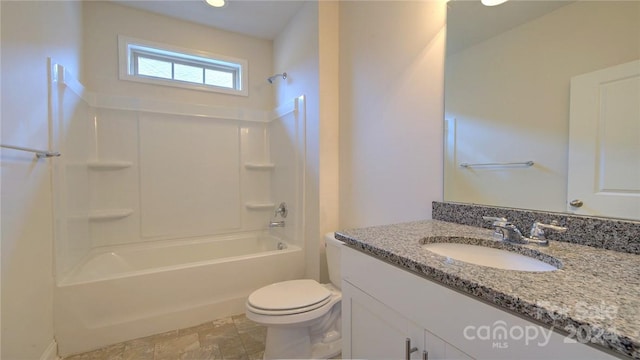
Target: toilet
[[302, 316]]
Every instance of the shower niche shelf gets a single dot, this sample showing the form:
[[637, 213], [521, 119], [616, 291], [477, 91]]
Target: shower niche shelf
[[109, 165], [259, 166], [259, 206], [109, 214]]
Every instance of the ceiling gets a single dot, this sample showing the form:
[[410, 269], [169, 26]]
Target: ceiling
[[263, 19], [469, 22]]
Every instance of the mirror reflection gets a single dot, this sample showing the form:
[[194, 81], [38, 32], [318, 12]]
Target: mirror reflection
[[541, 105]]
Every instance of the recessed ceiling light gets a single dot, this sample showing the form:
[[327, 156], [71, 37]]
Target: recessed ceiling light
[[492, 2], [216, 3]]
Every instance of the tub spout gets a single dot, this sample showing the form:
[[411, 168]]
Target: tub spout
[[276, 223]]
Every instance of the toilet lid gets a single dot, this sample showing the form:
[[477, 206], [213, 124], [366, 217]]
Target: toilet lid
[[290, 295]]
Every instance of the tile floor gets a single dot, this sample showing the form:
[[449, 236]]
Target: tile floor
[[235, 337]]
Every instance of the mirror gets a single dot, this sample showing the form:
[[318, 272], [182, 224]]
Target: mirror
[[508, 75]]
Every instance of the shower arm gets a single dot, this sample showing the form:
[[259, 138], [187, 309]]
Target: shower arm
[[274, 77]]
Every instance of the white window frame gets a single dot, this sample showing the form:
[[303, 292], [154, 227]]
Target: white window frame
[[128, 47]]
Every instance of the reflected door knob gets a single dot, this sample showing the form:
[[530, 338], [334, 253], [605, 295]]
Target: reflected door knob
[[576, 203]]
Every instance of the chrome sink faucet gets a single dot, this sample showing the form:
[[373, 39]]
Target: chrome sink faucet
[[510, 233], [506, 231]]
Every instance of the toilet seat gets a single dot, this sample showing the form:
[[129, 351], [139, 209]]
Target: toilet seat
[[289, 297]]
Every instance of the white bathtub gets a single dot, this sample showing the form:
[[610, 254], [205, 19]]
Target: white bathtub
[[125, 292]]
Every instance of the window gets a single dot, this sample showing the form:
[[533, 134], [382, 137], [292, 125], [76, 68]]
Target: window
[[152, 63]]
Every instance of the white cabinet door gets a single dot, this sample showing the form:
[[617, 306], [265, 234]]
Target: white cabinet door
[[438, 349], [375, 330], [604, 142]]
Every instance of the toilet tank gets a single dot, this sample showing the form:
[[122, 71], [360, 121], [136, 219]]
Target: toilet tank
[[333, 248]]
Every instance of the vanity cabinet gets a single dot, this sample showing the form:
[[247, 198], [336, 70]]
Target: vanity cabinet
[[384, 305], [379, 332]]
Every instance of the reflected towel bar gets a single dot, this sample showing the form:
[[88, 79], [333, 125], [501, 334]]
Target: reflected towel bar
[[526, 163], [39, 153]]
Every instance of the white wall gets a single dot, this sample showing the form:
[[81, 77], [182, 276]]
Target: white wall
[[31, 31], [104, 21], [517, 108], [391, 110], [296, 53], [329, 127]]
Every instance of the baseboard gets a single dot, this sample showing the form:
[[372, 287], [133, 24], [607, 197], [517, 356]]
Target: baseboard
[[51, 352]]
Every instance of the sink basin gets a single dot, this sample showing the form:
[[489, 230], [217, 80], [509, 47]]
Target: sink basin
[[488, 256]]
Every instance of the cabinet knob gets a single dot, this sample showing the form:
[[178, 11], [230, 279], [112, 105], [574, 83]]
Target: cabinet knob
[[576, 203], [409, 349]]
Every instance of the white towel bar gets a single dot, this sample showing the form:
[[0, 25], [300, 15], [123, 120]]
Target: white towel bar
[[39, 153], [526, 163]]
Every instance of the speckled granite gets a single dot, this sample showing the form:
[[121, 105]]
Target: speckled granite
[[596, 288], [607, 233]]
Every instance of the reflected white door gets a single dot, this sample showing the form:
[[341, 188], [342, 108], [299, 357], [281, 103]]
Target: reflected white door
[[604, 142]]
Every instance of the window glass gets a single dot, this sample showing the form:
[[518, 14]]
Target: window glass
[[153, 67], [152, 63], [219, 78], [188, 73]]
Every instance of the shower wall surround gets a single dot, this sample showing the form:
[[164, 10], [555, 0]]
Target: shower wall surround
[[607, 233], [136, 170]]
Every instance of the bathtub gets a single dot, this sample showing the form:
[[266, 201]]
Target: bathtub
[[125, 292]]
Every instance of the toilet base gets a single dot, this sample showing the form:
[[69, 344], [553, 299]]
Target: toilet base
[[326, 350], [296, 343]]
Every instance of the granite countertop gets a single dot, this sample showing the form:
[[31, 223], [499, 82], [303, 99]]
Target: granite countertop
[[595, 288]]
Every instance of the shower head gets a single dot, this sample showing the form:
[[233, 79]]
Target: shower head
[[274, 77]]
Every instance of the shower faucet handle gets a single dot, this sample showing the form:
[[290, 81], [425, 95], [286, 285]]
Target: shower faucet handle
[[282, 210]]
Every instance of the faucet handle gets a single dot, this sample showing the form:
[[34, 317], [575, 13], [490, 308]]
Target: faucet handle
[[497, 221], [282, 210], [538, 228]]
